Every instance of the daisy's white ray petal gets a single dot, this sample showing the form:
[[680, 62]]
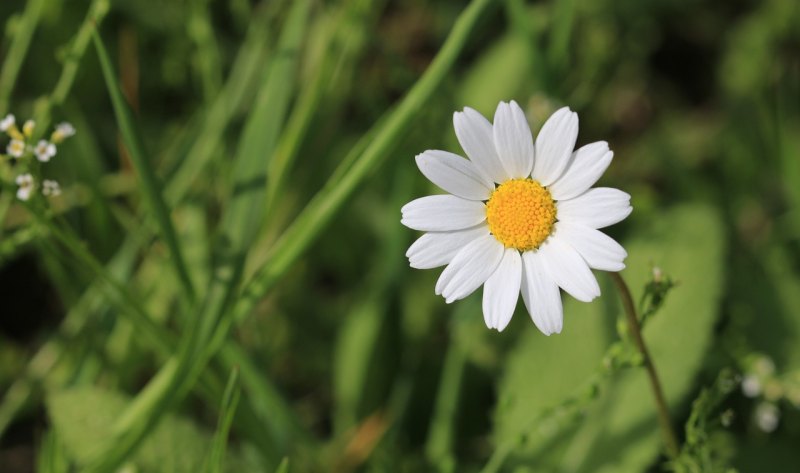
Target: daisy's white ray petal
[[435, 249], [568, 269], [598, 249], [554, 145], [476, 136], [454, 174], [513, 140], [442, 213], [586, 166], [596, 208], [501, 291], [541, 295], [469, 268]]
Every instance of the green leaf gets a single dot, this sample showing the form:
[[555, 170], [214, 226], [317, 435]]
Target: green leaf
[[622, 435], [84, 418], [620, 431]]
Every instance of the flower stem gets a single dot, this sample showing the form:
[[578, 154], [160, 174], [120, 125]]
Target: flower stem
[[670, 439]]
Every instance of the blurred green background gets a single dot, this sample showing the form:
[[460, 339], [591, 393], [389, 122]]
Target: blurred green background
[[343, 359]]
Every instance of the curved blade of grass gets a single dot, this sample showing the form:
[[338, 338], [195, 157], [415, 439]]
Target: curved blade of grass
[[314, 218], [230, 399], [243, 217], [18, 49], [151, 186]]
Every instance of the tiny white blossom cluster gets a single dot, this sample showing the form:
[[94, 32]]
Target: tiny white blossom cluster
[[21, 149], [769, 389]]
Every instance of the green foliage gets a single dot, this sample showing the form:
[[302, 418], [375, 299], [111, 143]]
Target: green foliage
[[221, 285], [83, 418], [618, 431], [701, 452]]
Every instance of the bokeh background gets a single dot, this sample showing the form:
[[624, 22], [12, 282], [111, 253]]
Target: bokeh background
[[349, 362]]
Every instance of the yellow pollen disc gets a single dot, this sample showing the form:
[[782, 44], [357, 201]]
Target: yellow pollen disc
[[521, 214]]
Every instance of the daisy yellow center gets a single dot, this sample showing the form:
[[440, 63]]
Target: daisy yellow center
[[521, 214]]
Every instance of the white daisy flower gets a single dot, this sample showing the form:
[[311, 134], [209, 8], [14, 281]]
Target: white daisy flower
[[26, 186], [44, 150], [50, 188], [16, 148], [521, 217], [7, 122]]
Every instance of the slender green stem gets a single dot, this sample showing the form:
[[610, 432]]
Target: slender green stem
[[151, 185], [670, 439], [19, 48]]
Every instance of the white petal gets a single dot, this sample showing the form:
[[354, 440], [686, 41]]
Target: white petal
[[568, 269], [598, 249], [513, 140], [435, 249], [596, 208], [501, 291], [586, 166], [442, 213], [554, 145], [476, 136], [541, 295], [454, 174], [470, 268]]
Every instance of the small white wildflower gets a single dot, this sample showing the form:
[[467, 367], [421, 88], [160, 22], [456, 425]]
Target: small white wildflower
[[7, 122], [16, 148], [63, 130], [26, 186], [767, 417], [28, 128], [44, 151], [751, 386], [50, 188]]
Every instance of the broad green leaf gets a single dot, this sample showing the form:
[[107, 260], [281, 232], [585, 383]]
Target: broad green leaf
[[620, 431], [84, 417]]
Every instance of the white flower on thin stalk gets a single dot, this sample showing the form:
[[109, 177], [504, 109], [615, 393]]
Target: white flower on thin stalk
[[25, 186], [16, 148], [44, 150], [7, 122], [521, 216], [63, 131], [50, 188]]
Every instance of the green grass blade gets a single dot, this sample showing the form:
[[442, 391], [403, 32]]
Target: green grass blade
[[560, 34], [310, 223], [18, 49], [283, 467], [241, 81], [150, 183], [230, 400], [243, 217]]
